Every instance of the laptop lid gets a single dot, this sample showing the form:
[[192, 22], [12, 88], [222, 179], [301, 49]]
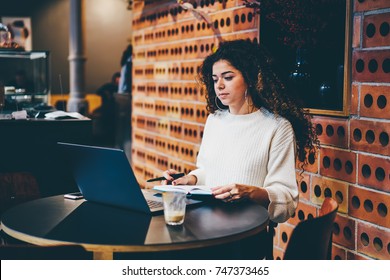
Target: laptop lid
[[104, 175]]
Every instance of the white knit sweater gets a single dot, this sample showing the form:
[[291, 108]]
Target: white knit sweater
[[256, 149]]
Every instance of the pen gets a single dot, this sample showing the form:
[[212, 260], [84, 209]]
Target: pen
[[175, 176]]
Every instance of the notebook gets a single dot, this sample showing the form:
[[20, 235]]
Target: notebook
[[188, 189], [104, 175]]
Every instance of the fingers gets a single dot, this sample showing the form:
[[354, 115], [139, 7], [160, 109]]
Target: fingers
[[170, 180], [181, 181], [167, 174], [226, 193]]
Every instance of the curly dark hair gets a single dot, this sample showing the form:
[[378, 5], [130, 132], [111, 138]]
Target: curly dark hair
[[265, 87]]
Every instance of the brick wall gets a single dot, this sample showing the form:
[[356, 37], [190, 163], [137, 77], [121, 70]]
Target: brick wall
[[353, 165], [169, 108]]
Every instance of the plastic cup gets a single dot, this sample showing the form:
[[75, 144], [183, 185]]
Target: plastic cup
[[174, 207]]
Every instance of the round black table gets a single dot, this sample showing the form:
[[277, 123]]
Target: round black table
[[104, 229]]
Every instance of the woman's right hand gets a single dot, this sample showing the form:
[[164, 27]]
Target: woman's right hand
[[185, 180], [167, 174]]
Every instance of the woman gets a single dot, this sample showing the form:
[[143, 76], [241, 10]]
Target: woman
[[253, 132]]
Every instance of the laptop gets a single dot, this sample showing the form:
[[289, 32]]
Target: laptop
[[104, 175]]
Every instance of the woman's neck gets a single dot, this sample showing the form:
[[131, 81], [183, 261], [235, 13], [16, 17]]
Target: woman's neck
[[244, 109]]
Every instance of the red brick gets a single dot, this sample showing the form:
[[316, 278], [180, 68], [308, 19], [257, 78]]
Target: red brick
[[303, 180], [338, 164], [139, 139], [163, 126], [189, 49], [173, 110], [175, 164], [152, 124], [188, 111], [338, 253], [331, 131], [138, 105], [176, 91], [201, 113], [206, 45], [171, 32], [161, 144], [367, 66], [191, 133], [151, 89], [204, 28], [278, 254], [322, 187], [140, 155], [138, 72], [369, 205], [246, 19], [174, 70], [369, 5], [373, 241], [188, 29], [356, 31], [375, 101], [354, 99], [285, 231], [344, 231], [148, 107], [138, 89], [191, 91], [188, 152], [312, 162], [226, 18], [138, 171], [149, 141], [162, 162], [370, 136], [176, 129], [303, 212], [202, 94], [354, 256], [140, 122], [374, 172], [151, 159], [150, 70], [189, 70]]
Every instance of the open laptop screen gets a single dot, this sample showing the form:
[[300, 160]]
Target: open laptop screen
[[104, 175]]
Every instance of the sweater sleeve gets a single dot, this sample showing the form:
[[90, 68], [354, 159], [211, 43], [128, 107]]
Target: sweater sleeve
[[200, 171], [280, 181]]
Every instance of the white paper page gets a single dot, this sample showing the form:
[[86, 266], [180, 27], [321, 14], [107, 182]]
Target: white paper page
[[192, 189]]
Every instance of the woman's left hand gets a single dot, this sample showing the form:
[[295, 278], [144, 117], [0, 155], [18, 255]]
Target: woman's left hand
[[232, 192]]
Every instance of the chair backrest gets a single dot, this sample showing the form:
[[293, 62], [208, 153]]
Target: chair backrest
[[32, 252], [312, 239]]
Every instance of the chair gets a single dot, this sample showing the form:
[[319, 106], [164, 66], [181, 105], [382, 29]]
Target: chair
[[269, 250], [312, 239], [32, 252]]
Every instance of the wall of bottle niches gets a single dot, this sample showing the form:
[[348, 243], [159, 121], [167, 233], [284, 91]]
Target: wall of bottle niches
[[169, 109]]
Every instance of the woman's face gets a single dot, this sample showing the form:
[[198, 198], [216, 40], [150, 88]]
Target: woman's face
[[229, 85]]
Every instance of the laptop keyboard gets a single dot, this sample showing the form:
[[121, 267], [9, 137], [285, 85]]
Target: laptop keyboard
[[154, 204]]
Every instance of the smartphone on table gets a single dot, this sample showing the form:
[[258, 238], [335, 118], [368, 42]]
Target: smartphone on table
[[75, 195]]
